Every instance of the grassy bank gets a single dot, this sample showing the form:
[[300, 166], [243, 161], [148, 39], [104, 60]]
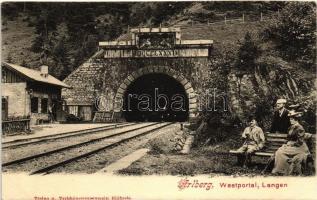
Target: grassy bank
[[212, 159]]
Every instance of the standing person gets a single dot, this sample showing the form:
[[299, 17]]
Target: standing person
[[281, 122], [290, 157], [50, 113], [254, 141]]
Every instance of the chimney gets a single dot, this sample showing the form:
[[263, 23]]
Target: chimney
[[44, 71]]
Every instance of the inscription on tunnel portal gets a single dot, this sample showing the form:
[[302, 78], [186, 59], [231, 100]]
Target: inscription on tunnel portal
[[155, 42]]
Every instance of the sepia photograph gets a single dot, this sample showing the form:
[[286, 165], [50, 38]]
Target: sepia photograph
[[186, 99]]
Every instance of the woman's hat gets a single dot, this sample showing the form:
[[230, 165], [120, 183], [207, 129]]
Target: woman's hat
[[281, 101], [293, 113]]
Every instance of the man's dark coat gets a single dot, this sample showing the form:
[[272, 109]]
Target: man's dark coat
[[280, 123]]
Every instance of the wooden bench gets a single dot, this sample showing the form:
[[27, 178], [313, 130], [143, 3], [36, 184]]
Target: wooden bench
[[103, 116], [108, 116], [276, 140]]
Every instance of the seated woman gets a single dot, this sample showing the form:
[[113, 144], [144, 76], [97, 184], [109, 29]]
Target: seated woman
[[290, 157], [254, 141]]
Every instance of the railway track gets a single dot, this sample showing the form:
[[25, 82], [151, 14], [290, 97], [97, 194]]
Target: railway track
[[75, 152], [86, 142], [46, 138]]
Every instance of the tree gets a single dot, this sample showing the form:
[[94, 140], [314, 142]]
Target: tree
[[294, 32], [45, 28], [247, 54], [61, 60]]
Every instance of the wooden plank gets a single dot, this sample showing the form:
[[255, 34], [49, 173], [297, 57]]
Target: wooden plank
[[280, 140], [276, 135], [259, 153], [271, 149], [265, 154]]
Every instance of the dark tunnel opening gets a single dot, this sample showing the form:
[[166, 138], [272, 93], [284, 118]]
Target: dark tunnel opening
[[155, 97]]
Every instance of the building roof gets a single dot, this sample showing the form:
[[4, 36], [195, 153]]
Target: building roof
[[35, 75]]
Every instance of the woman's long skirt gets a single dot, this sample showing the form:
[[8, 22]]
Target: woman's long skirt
[[290, 158]]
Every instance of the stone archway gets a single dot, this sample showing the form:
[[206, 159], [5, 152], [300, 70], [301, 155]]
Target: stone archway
[[189, 90]]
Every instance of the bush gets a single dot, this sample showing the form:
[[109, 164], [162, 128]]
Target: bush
[[248, 53], [165, 144], [293, 31]]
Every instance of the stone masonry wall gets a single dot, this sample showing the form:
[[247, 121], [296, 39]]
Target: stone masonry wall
[[104, 76]]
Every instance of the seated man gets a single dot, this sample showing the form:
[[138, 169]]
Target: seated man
[[254, 141]]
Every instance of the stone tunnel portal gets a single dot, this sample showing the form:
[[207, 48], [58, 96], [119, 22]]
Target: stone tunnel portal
[[155, 97]]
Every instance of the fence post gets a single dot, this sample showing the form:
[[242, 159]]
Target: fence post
[[192, 23], [261, 17], [243, 18], [225, 19], [208, 22], [128, 28]]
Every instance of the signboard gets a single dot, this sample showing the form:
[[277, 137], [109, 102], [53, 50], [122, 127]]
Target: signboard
[[155, 40], [151, 53]]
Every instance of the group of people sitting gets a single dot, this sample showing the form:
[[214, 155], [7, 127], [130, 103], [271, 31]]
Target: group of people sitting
[[289, 157]]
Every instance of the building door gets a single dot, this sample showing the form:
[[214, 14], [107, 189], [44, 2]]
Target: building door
[[85, 113]]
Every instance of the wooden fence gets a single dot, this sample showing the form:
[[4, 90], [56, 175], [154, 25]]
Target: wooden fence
[[16, 125], [245, 18]]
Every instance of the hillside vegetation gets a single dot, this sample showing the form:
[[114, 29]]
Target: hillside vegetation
[[64, 35]]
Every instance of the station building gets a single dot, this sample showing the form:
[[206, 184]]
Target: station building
[[28, 93]]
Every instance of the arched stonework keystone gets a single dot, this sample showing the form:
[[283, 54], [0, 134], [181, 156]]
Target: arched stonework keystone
[[150, 69], [130, 78], [138, 74], [134, 75], [187, 86], [189, 90], [124, 85], [192, 106], [175, 76], [161, 69], [145, 70], [192, 95], [191, 101], [127, 81], [121, 90], [156, 69]]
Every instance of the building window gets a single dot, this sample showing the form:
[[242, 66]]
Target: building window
[[4, 108], [4, 76], [44, 105], [73, 110], [34, 105]]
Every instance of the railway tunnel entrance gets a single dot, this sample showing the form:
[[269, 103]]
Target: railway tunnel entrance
[[155, 97]]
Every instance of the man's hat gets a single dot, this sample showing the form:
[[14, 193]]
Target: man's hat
[[293, 113], [281, 101]]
